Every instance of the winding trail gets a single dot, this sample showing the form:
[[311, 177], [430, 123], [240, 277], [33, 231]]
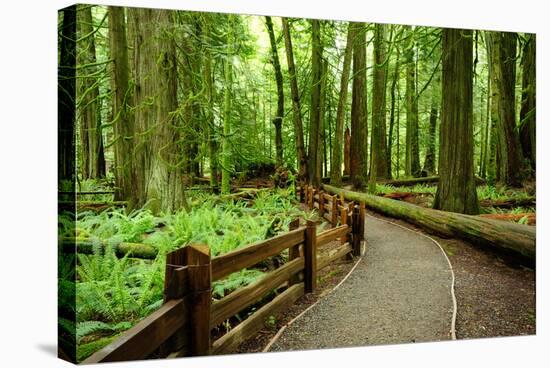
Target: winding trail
[[402, 291]]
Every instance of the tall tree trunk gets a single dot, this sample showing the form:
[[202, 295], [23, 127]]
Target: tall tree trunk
[[359, 113], [322, 110], [429, 162], [190, 105], [392, 113], [66, 98], [126, 181], [336, 165], [456, 191], [209, 106], [277, 120], [504, 76], [412, 158], [227, 95], [378, 160], [528, 115], [487, 129], [347, 152], [493, 169], [315, 111], [91, 140], [158, 165]]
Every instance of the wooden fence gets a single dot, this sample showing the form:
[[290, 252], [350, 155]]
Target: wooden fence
[[183, 325]]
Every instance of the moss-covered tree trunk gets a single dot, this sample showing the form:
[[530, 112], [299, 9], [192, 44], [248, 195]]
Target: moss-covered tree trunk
[[347, 152], [493, 164], [378, 158], [528, 114], [126, 181], [412, 155], [314, 148], [66, 97], [92, 160], [485, 148], [456, 191], [296, 108], [158, 160], [504, 77], [322, 110], [226, 164], [278, 119], [429, 162], [338, 146], [192, 86], [393, 87], [212, 137], [359, 113]]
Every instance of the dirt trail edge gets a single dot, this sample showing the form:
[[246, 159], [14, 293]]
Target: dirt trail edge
[[402, 291]]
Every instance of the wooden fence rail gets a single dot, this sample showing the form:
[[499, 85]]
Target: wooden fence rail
[[183, 325]]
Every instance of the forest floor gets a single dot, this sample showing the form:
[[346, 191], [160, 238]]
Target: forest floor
[[495, 296]]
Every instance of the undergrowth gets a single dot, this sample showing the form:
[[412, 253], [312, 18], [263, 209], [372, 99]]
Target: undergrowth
[[112, 294]]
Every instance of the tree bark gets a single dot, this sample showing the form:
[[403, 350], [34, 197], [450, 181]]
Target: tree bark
[[392, 113], [277, 120], [297, 111], [504, 77], [314, 164], [123, 125], [209, 107], [528, 114], [227, 95], [493, 169], [66, 98], [378, 159], [456, 191], [92, 163], [158, 161], [512, 238], [336, 166], [347, 152], [429, 162], [412, 157], [359, 113]]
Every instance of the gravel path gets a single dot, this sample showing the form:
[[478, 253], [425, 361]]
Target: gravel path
[[400, 292]]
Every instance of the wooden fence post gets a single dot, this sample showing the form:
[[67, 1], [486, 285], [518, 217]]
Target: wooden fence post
[[294, 252], [344, 215], [356, 231], [362, 215], [310, 197], [334, 218], [321, 204], [200, 287], [176, 286], [310, 258]]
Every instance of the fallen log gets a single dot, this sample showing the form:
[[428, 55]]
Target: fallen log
[[531, 218], [424, 180], [90, 205], [512, 238], [400, 195], [405, 182], [134, 250], [508, 203]]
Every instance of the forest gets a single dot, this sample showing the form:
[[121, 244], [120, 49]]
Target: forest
[[179, 127]]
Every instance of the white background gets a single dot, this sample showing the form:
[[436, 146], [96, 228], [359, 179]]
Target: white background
[[28, 167]]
